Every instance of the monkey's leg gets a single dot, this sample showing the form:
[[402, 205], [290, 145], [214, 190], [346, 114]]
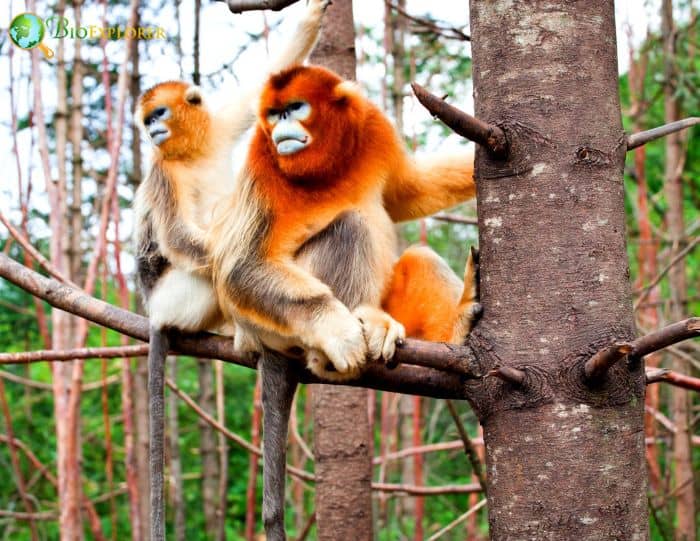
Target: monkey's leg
[[157, 352], [279, 383], [428, 298]]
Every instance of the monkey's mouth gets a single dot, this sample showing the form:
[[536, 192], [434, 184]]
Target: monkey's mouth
[[290, 145], [159, 135]]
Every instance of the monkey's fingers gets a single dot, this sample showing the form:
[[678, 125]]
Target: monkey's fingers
[[382, 332]]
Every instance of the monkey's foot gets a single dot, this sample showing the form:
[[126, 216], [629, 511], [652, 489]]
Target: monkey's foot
[[382, 332], [339, 351]]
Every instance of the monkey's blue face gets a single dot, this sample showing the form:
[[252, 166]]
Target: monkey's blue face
[[156, 125], [288, 133]]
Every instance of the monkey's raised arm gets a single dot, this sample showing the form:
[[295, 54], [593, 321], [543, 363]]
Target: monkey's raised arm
[[239, 113], [423, 186]]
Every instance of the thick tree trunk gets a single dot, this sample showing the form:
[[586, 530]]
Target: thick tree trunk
[[565, 460], [673, 186], [341, 426]]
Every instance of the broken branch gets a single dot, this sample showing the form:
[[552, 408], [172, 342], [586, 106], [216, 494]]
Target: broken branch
[[638, 139], [469, 448], [672, 334], [239, 6], [509, 374], [455, 219], [489, 136], [597, 366]]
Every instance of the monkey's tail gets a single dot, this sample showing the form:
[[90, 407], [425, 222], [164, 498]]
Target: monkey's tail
[[159, 345]]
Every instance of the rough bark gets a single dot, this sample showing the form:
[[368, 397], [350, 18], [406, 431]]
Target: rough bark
[[341, 425], [673, 187], [565, 460]]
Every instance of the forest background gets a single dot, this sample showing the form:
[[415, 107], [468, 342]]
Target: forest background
[[80, 135]]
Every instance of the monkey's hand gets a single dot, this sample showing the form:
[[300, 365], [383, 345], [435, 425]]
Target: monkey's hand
[[382, 332], [244, 342], [339, 349], [316, 8]]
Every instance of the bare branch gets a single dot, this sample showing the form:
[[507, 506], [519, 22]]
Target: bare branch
[[427, 491], [672, 334], [509, 374], [491, 137], [674, 378], [597, 366], [417, 380], [638, 139], [469, 448], [679, 256], [239, 6], [26, 357], [92, 386], [34, 253], [455, 219], [423, 449], [457, 521], [451, 32]]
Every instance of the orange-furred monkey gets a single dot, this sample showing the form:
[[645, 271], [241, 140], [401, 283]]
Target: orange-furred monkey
[[191, 172], [304, 251]]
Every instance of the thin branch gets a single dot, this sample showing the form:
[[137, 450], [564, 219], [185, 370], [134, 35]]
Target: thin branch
[[427, 491], [457, 521], [672, 334], [406, 379], [26, 357], [455, 219], [679, 256], [423, 449], [307, 527], [9, 376], [638, 139], [469, 448], [451, 32], [47, 515], [491, 137], [34, 253], [597, 366], [673, 378], [239, 6]]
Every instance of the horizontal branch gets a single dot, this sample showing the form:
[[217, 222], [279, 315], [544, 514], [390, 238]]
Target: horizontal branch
[[15, 515], [91, 386], [674, 378], [638, 139], [427, 491], [25, 357], [672, 334], [420, 380], [489, 136], [455, 219], [239, 6]]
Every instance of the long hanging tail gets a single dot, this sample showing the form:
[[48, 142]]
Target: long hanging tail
[[157, 353]]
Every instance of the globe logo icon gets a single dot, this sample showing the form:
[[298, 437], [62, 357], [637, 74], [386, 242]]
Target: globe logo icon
[[27, 31]]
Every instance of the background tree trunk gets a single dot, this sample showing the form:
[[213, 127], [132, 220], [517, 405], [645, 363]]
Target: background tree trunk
[[673, 186], [341, 424], [565, 460]]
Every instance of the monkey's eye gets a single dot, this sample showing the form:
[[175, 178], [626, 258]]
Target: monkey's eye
[[159, 113], [295, 106], [299, 110], [273, 116]]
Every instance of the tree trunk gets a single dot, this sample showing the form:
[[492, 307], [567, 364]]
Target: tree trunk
[[341, 426], [673, 186], [565, 459]]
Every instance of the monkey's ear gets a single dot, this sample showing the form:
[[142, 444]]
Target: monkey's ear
[[193, 95], [345, 91]]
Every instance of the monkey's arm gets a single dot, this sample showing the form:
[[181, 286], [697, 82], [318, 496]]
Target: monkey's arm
[[282, 299], [423, 186], [239, 113]]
